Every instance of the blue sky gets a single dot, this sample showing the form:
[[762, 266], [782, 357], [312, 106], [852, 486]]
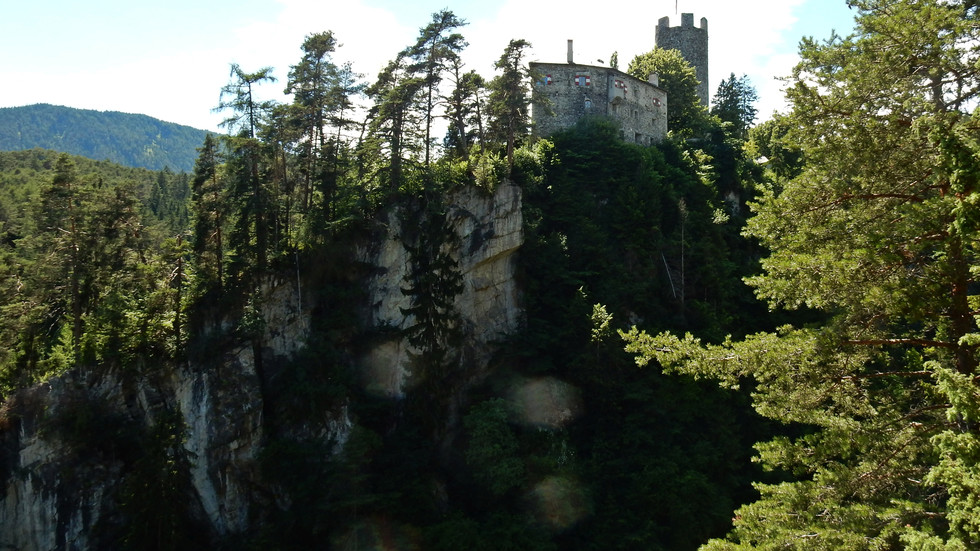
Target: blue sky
[[170, 59]]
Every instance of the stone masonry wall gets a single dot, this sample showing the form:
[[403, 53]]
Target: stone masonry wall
[[692, 42], [568, 92]]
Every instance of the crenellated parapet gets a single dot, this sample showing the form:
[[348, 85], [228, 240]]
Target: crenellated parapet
[[692, 42]]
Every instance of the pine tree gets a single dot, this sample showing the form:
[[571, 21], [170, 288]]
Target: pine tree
[[879, 231], [734, 103], [435, 51], [464, 107], [509, 98], [251, 239], [208, 203], [392, 121], [310, 82]]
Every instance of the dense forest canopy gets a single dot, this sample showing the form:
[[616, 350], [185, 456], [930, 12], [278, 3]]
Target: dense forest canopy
[[123, 138], [852, 369]]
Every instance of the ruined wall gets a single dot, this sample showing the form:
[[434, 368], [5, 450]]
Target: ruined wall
[[568, 92], [692, 42]]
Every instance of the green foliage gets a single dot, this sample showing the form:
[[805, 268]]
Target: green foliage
[[84, 256], [686, 116], [614, 234], [875, 230], [734, 103], [619, 206], [510, 93], [613, 223], [492, 450], [153, 493], [769, 143], [131, 140], [498, 532], [436, 49]]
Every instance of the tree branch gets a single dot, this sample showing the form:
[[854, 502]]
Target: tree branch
[[899, 342]]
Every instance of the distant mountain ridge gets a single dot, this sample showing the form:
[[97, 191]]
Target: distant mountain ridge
[[138, 141]]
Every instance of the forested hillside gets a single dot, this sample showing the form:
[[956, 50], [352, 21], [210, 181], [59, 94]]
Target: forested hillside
[[123, 138], [317, 340]]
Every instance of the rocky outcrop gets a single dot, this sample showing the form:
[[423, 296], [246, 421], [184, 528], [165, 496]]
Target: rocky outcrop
[[222, 409], [490, 230], [55, 495]]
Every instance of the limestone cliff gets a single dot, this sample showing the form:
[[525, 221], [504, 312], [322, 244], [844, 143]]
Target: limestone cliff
[[490, 231], [64, 470]]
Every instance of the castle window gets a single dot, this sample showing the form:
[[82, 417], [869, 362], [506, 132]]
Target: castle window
[[656, 101], [621, 85], [588, 103], [583, 80], [545, 80]]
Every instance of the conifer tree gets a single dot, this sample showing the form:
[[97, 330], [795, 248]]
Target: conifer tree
[[464, 109], [392, 120], [433, 282], [310, 82], [208, 202], [251, 197], [435, 51], [879, 231], [509, 98], [734, 103], [60, 219]]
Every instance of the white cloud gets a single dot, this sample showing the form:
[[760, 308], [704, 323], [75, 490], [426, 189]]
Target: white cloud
[[741, 41], [182, 83]]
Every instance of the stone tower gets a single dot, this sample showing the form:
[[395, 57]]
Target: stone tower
[[693, 44]]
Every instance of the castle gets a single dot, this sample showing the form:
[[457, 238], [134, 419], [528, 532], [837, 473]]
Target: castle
[[692, 42], [568, 92]]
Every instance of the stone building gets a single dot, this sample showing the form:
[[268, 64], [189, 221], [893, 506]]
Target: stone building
[[692, 42], [567, 92]]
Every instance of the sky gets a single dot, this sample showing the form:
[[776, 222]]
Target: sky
[[170, 59]]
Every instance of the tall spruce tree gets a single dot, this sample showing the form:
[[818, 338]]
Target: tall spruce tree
[[208, 205], [734, 103], [392, 122], [686, 116], [433, 282], [310, 83], [434, 52], [509, 98], [880, 231], [61, 220], [252, 236]]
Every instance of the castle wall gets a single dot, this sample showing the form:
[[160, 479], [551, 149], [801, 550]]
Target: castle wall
[[568, 92], [692, 42]]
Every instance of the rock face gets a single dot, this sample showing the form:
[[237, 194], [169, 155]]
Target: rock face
[[56, 495], [490, 231]]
